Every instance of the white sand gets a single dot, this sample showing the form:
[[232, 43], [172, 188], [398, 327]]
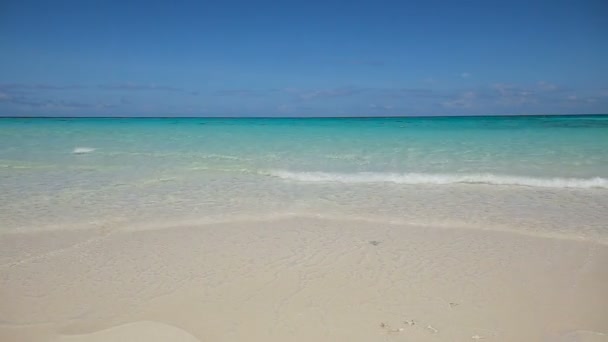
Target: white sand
[[301, 279], [138, 331]]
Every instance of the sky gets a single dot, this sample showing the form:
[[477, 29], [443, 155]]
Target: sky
[[302, 58]]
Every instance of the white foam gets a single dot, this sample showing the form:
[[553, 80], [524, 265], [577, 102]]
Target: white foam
[[441, 179], [83, 150]]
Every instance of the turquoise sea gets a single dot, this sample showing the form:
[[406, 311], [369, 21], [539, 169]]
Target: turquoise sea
[[543, 175]]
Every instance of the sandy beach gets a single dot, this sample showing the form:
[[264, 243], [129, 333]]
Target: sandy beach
[[301, 279], [303, 171]]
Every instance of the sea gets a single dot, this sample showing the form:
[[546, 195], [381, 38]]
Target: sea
[[544, 176]]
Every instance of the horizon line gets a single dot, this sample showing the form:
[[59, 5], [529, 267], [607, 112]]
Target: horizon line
[[290, 117]]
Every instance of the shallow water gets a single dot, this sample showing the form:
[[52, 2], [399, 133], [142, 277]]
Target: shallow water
[[534, 175]]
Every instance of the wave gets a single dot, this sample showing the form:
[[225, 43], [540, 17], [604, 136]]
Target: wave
[[83, 150], [441, 179], [222, 156]]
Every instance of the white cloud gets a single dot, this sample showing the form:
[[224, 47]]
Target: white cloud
[[465, 100], [547, 86], [465, 75], [329, 93]]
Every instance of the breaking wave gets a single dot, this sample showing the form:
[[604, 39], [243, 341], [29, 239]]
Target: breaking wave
[[441, 179], [83, 150]]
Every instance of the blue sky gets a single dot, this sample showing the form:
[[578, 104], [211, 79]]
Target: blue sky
[[302, 58]]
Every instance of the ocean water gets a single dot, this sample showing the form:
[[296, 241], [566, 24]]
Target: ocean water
[[545, 176]]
